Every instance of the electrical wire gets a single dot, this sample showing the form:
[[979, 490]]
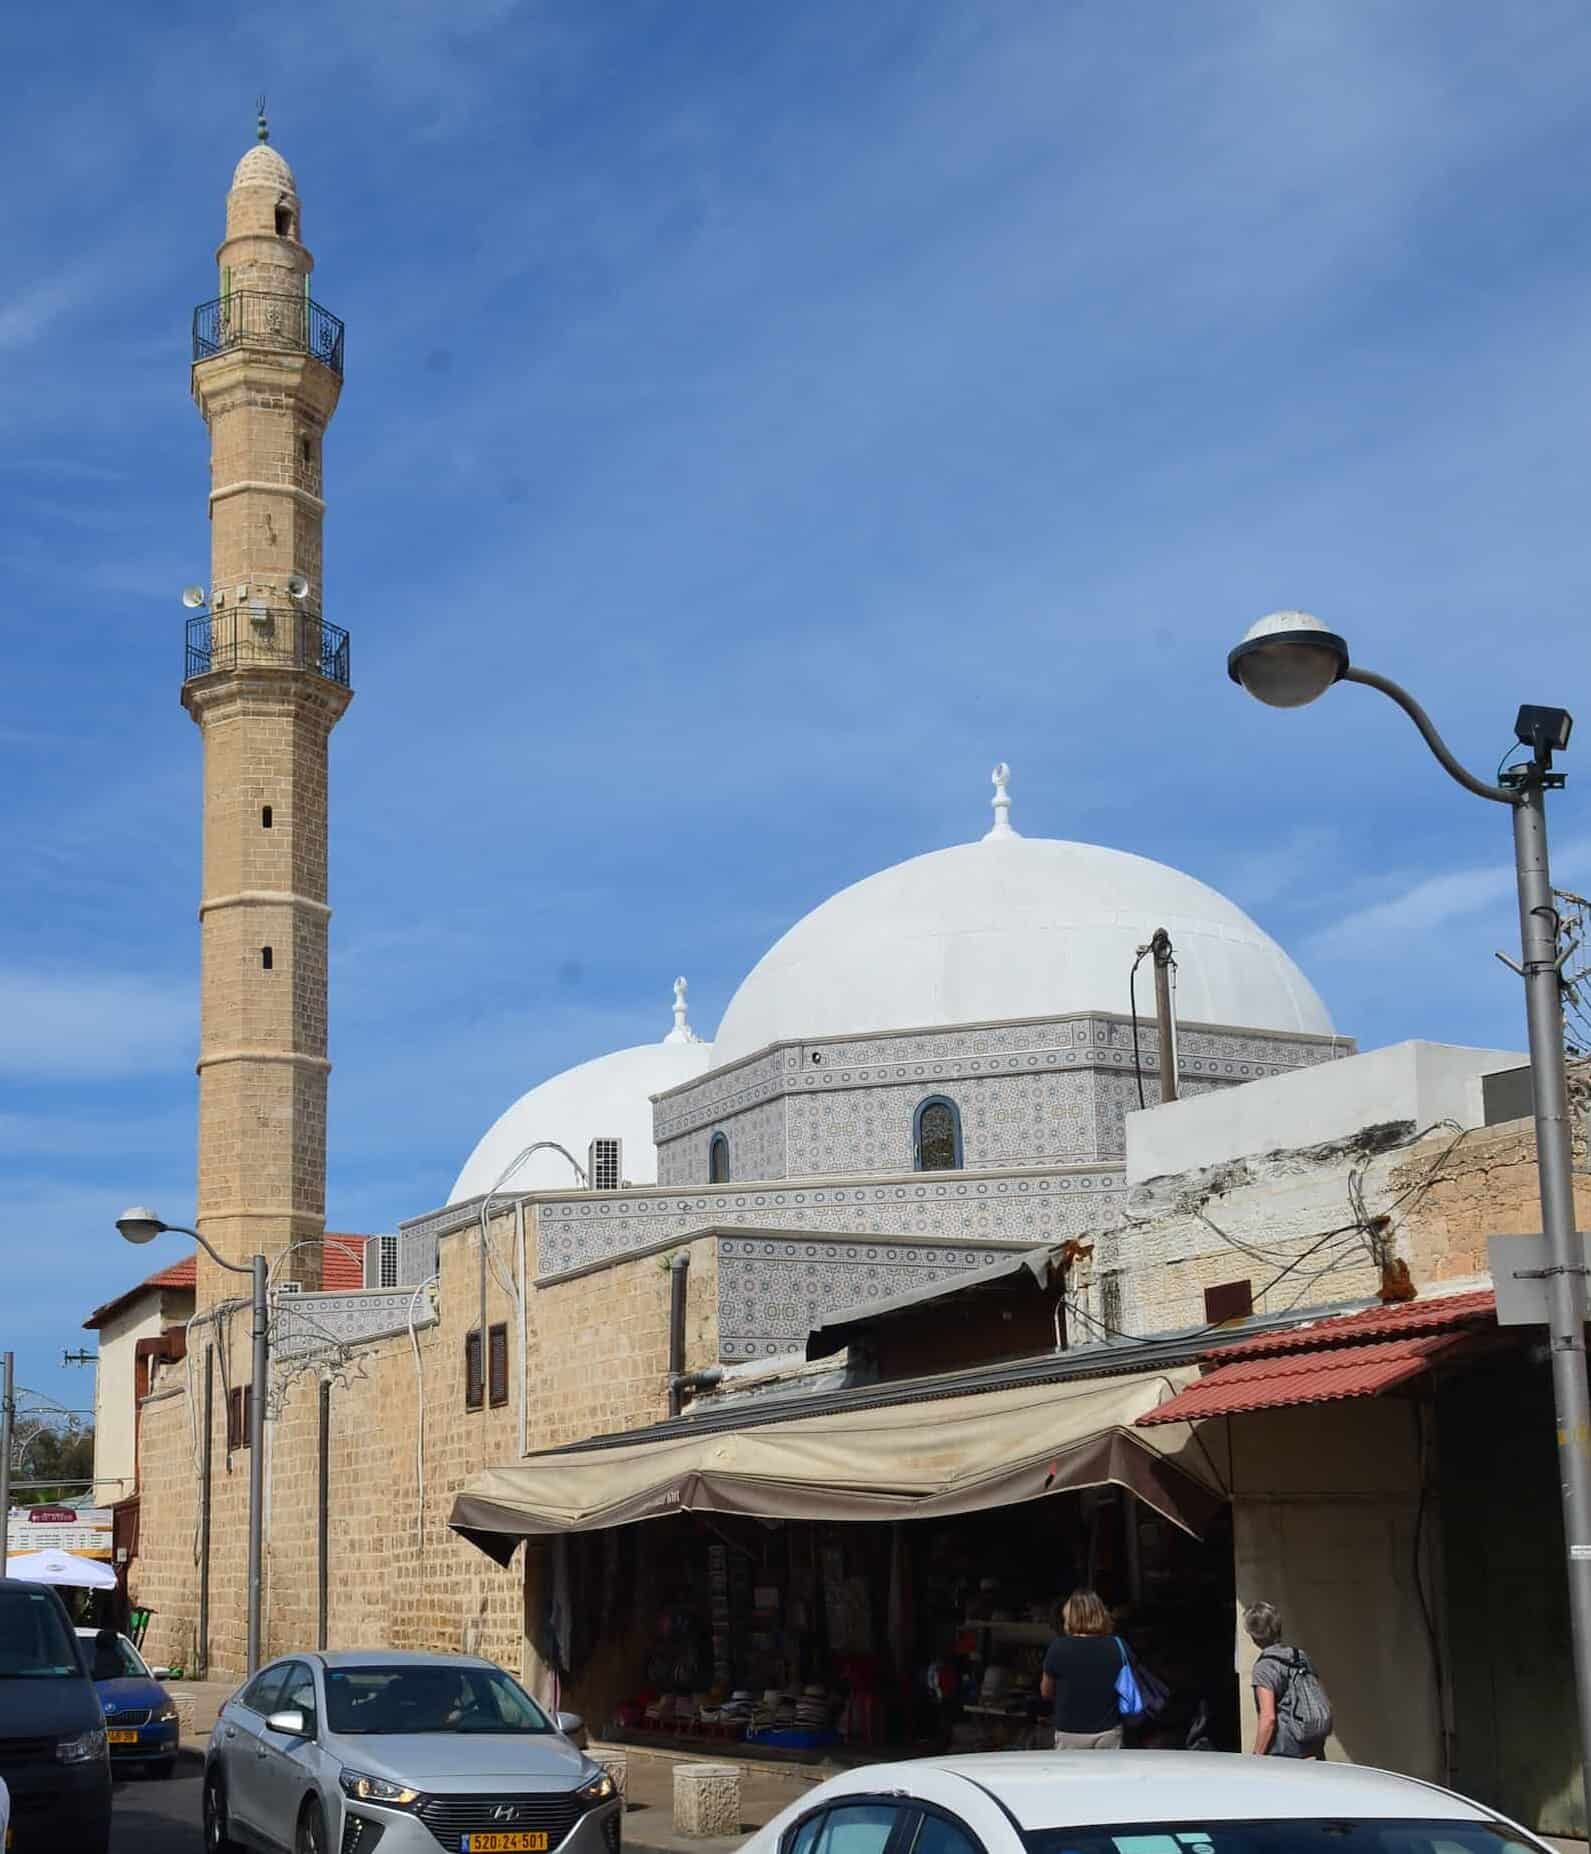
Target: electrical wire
[[1132, 998]]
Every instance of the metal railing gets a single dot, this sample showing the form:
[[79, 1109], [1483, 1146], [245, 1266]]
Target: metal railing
[[274, 637], [268, 319]]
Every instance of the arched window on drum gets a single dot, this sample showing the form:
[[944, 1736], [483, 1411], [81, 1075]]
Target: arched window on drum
[[936, 1135], [718, 1160]]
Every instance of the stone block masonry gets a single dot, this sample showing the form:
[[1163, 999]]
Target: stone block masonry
[[402, 1444]]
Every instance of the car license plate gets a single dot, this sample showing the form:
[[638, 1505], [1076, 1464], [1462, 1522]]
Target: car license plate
[[122, 1738], [504, 1841]]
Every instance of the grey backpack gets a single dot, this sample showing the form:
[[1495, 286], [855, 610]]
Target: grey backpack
[[1302, 1704]]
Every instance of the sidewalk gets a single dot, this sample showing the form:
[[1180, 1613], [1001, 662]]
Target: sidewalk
[[649, 1821], [197, 1703]]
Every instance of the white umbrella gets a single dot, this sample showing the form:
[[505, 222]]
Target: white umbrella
[[60, 1567]]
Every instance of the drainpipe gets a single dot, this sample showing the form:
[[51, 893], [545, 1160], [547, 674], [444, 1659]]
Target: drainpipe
[[323, 1518], [204, 1511], [678, 1280]]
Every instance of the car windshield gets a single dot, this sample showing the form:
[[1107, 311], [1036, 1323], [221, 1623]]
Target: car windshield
[[35, 1643], [429, 1699], [1322, 1836], [113, 1656]]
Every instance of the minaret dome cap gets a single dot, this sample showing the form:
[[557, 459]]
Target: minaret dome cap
[[263, 166]]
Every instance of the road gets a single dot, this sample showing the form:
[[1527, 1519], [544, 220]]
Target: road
[[159, 1816]]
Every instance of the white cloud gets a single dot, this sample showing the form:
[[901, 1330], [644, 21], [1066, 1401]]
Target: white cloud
[[93, 1027], [1432, 903]]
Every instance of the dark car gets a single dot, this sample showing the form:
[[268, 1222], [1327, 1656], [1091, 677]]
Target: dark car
[[140, 1720], [53, 1754]]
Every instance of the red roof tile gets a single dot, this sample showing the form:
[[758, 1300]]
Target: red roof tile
[[342, 1270], [1316, 1376], [1439, 1313]]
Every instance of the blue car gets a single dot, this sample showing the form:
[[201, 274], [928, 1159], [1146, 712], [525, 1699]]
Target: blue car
[[140, 1720]]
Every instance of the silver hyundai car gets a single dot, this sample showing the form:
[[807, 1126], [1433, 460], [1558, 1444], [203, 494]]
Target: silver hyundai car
[[346, 1753]]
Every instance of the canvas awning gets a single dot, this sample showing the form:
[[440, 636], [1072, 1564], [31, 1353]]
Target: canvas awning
[[919, 1458]]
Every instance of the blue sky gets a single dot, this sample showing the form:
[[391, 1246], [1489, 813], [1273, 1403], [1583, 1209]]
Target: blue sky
[[758, 421]]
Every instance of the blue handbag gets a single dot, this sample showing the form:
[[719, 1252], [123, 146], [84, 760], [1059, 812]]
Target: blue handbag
[[1129, 1696], [1138, 1694]]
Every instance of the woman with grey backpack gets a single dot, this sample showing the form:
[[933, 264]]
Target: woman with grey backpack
[[1294, 1714]]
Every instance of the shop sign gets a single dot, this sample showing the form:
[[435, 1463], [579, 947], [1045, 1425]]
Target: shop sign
[[85, 1531]]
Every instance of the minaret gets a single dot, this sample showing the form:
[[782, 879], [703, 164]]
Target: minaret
[[267, 680]]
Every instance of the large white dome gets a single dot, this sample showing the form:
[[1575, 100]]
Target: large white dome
[[608, 1098], [1012, 927]]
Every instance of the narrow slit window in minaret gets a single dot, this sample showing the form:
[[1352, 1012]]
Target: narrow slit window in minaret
[[265, 957], [284, 222], [265, 817]]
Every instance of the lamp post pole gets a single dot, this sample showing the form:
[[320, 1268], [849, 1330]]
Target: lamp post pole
[[1289, 659], [8, 1426], [140, 1226]]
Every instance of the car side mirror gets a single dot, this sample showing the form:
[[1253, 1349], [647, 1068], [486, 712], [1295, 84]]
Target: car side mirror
[[290, 1724], [569, 1723], [160, 1673]]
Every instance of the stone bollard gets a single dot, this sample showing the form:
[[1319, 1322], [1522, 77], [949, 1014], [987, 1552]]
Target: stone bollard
[[706, 1799], [617, 1765]]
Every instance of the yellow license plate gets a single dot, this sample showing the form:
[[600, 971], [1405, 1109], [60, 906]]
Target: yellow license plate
[[122, 1738], [498, 1841]]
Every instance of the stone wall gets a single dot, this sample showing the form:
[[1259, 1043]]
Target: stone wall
[[595, 1360], [1289, 1222]]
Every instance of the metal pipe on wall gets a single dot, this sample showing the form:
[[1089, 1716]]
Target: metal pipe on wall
[[323, 1518], [206, 1459], [1160, 947], [678, 1282]]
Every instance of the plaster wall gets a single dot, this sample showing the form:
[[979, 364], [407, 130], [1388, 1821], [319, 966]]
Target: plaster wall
[[115, 1402], [1324, 1512], [1423, 1083]]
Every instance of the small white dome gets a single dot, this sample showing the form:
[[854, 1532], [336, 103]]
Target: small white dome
[[609, 1098], [262, 166], [1012, 927]]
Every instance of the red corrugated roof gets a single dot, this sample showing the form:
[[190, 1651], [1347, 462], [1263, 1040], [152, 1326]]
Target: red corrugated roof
[[1316, 1376], [1441, 1313], [342, 1269]]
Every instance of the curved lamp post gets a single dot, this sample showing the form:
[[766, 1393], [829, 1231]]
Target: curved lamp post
[[141, 1225], [1290, 659]]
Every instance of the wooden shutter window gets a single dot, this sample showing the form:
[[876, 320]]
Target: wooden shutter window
[[497, 1365], [239, 1416], [472, 1371]]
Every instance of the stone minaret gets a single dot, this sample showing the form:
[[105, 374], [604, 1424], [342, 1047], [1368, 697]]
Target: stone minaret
[[267, 680]]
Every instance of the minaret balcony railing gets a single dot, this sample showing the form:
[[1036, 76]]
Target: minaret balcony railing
[[263, 636], [268, 319]]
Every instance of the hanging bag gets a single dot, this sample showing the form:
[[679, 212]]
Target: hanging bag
[[1138, 1694], [1129, 1695]]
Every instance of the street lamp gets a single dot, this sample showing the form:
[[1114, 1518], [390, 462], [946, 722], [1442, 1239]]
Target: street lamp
[[141, 1225], [1287, 660]]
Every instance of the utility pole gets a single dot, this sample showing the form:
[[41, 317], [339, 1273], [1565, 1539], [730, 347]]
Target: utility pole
[[8, 1423], [1160, 947]]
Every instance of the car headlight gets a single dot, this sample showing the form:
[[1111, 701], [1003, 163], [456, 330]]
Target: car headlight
[[83, 1749], [377, 1790], [599, 1789], [167, 1715]]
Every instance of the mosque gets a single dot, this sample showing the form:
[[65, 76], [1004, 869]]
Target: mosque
[[947, 1219]]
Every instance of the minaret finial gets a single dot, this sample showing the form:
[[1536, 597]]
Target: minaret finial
[[682, 1032], [1002, 804], [262, 128]]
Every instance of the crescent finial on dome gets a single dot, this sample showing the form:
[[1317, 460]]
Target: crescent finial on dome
[[1002, 804], [682, 1032]]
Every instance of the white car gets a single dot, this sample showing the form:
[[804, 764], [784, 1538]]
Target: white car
[[1133, 1802]]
